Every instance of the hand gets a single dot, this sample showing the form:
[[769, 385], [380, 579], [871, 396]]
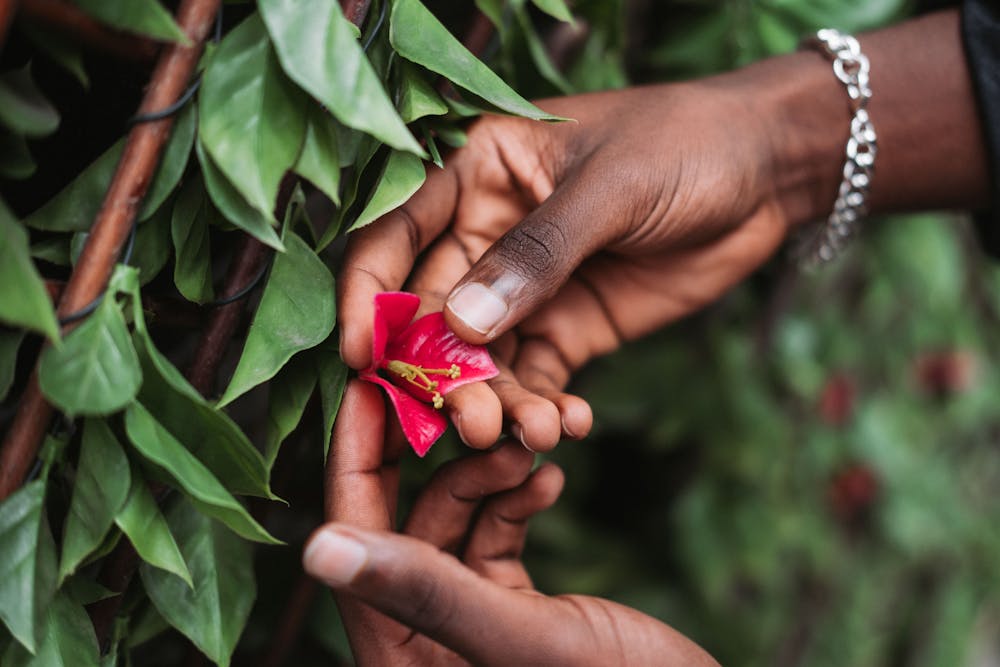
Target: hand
[[440, 610], [558, 242]]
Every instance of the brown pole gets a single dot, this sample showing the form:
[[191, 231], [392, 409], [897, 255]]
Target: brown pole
[[114, 220]]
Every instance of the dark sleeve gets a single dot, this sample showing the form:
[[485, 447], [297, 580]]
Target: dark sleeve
[[981, 37]]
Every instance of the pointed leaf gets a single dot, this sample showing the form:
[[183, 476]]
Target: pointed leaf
[[207, 433], [23, 108], [147, 530], [76, 205], [332, 380], [252, 120], [95, 371], [417, 96], [152, 246], [59, 50], [143, 17], [296, 312], [213, 613], [27, 564], [233, 206], [26, 302], [173, 162], [319, 162], [419, 37], [192, 255], [69, 639], [100, 490], [10, 342], [156, 444], [289, 392], [16, 162], [555, 8], [402, 175], [319, 50]]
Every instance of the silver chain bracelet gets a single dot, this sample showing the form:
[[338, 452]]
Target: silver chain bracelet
[[824, 242]]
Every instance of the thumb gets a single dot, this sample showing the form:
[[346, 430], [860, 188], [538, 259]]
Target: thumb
[[528, 264], [433, 593]]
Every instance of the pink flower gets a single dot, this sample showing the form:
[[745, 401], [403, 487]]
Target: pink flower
[[419, 362]]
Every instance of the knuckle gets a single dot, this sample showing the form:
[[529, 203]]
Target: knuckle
[[537, 248]]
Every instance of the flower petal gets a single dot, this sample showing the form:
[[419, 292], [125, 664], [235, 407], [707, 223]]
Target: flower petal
[[393, 311], [422, 424], [429, 343]]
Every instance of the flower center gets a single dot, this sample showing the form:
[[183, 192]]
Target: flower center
[[418, 377]]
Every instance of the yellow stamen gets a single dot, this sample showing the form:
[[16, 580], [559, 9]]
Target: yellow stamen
[[417, 376]]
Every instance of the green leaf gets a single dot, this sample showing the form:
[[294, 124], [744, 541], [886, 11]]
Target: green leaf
[[59, 50], [16, 162], [76, 205], [555, 8], [319, 50], [173, 162], [84, 590], [233, 206], [152, 246], [319, 162], [26, 302], [161, 448], [27, 564], [192, 254], [540, 55], [207, 433], [289, 392], [493, 9], [54, 250], [252, 121], [147, 530], [402, 175], [213, 613], [332, 380], [417, 97], [10, 342], [419, 37], [143, 17], [100, 490], [69, 639], [23, 108], [296, 312], [95, 371]]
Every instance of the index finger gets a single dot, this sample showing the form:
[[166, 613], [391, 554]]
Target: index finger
[[356, 492], [380, 257]]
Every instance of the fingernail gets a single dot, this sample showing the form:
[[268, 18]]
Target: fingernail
[[478, 306], [334, 558], [518, 432], [566, 430]]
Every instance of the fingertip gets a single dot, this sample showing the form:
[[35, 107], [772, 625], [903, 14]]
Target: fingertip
[[550, 480], [333, 556], [475, 312], [355, 346], [576, 416], [476, 413], [538, 428]]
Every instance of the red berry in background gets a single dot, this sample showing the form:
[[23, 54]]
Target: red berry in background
[[851, 493], [836, 400], [946, 372]]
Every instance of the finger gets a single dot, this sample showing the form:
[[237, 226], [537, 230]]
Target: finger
[[534, 420], [529, 263], [476, 412], [355, 492], [497, 540], [443, 513], [541, 369], [436, 595], [379, 257]]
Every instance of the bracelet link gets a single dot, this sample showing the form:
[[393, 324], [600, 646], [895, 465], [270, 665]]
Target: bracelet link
[[851, 67]]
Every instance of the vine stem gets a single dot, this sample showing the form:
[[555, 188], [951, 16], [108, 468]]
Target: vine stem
[[111, 227], [70, 21]]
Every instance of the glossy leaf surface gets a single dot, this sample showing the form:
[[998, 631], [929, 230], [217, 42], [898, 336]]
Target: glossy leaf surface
[[402, 175], [212, 613], [251, 118], [101, 487], [68, 639], [296, 312], [319, 50], [95, 371], [319, 162], [144, 17], [158, 446], [192, 253], [26, 302]]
